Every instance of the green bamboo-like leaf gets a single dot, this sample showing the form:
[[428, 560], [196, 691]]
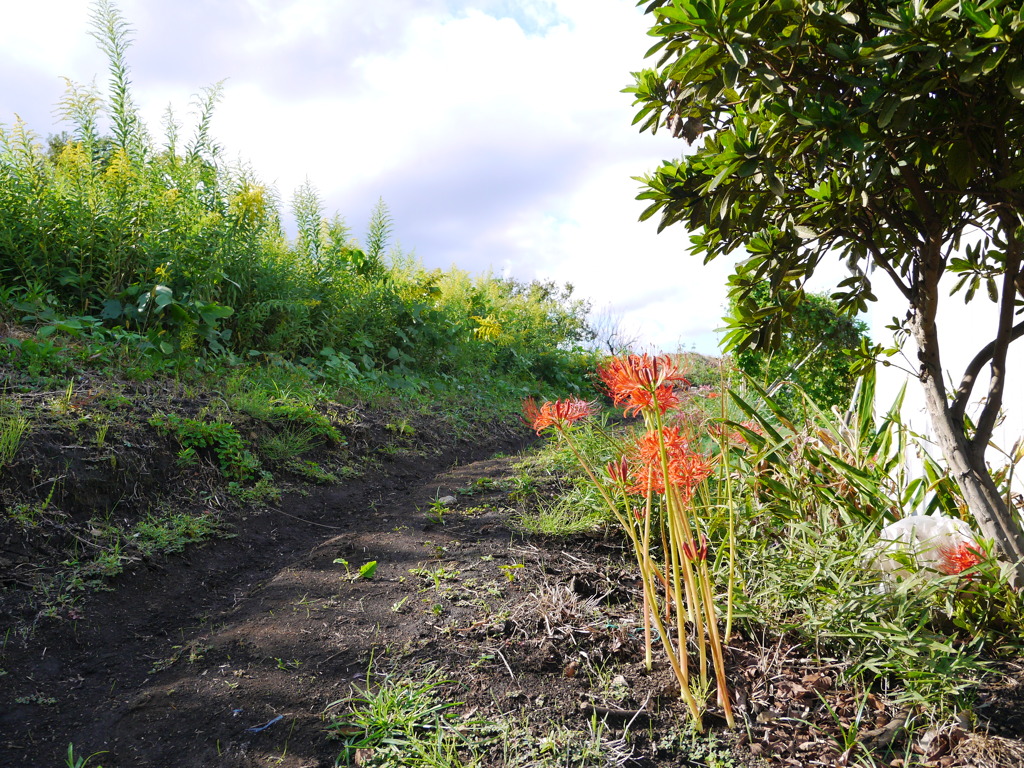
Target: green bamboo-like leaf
[[755, 415]]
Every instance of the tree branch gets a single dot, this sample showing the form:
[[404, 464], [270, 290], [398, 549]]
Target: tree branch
[[881, 261], [931, 218], [963, 392], [1004, 334]]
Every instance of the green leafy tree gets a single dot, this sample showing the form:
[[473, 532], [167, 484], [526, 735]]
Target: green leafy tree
[[814, 351], [885, 133]]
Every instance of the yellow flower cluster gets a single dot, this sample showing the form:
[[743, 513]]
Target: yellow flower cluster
[[488, 329], [119, 169], [248, 206]]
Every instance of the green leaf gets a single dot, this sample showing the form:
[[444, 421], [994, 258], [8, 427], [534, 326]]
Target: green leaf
[[961, 161], [738, 54], [112, 310], [162, 296], [211, 313], [1014, 78], [993, 60], [724, 173], [885, 116], [942, 7]]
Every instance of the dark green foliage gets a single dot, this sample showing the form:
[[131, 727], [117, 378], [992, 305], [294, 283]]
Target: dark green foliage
[[288, 412], [814, 352], [852, 469]]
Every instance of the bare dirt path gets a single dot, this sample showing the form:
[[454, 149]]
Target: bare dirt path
[[174, 666]]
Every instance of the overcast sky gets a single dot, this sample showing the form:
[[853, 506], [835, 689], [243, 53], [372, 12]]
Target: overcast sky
[[494, 130]]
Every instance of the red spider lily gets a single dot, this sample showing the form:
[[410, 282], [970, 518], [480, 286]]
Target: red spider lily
[[957, 558], [663, 399], [686, 468], [643, 382], [558, 414], [694, 552], [618, 471]]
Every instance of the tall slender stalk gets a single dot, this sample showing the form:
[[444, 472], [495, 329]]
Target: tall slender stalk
[[660, 466]]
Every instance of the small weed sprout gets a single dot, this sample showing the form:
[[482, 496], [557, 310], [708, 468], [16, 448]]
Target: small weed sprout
[[399, 717], [438, 507], [510, 570], [437, 575], [80, 762], [101, 433], [399, 605], [12, 430], [366, 571], [63, 403]]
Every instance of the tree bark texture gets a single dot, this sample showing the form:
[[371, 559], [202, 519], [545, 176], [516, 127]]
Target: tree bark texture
[[965, 458]]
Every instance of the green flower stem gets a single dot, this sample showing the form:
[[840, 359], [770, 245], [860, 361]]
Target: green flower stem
[[718, 658], [644, 561]]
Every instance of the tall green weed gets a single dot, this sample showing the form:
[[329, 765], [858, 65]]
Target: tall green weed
[[166, 239]]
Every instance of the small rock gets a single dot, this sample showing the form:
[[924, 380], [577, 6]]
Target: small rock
[[447, 500]]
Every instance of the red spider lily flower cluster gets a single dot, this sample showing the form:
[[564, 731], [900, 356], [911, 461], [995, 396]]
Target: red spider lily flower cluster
[[686, 468], [643, 382], [957, 558], [558, 413], [662, 462]]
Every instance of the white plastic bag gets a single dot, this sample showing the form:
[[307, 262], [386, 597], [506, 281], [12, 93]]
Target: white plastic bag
[[933, 546]]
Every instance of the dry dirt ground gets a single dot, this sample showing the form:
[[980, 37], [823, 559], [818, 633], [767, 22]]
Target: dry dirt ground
[[188, 658]]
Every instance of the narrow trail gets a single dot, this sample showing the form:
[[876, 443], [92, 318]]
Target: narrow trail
[[188, 655]]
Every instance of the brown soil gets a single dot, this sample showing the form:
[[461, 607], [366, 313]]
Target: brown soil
[[187, 656]]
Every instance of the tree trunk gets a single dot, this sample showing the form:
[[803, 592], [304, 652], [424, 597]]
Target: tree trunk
[[964, 459]]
